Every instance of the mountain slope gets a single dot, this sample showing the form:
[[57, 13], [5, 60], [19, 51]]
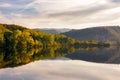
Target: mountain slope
[[53, 31], [15, 36], [111, 33]]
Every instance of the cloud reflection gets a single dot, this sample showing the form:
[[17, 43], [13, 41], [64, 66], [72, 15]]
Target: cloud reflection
[[62, 70]]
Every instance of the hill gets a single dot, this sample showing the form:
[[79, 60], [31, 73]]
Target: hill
[[53, 31], [15, 36], [19, 37], [111, 33]]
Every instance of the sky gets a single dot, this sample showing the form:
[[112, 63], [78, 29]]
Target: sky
[[74, 14]]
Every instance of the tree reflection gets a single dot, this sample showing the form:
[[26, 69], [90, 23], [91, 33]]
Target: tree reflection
[[16, 57]]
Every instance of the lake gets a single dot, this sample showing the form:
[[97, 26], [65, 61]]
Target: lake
[[61, 64]]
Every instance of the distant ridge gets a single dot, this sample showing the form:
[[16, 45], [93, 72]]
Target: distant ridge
[[53, 31], [103, 33]]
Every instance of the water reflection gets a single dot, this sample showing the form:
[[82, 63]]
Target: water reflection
[[62, 70], [56, 64], [14, 58], [105, 55]]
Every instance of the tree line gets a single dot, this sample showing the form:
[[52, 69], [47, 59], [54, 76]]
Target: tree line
[[15, 36]]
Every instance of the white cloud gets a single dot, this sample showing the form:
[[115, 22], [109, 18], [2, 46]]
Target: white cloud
[[48, 6], [65, 13], [5, 5], [4, 19]]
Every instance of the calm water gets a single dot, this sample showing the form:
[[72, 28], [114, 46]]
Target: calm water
[[105, 55], [61, 64]]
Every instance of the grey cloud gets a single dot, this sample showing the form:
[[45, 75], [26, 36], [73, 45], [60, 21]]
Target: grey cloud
[[91, 19], [18, 2], [87, 15], [85, 12], [116, 1]]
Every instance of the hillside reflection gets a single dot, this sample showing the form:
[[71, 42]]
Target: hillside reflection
[[105, 55], [14, 58]]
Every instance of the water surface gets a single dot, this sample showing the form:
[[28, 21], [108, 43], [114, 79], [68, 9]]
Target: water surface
[[61, 64], [62, 70], [104, 55]]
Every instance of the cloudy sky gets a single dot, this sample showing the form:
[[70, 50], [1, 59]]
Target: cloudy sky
[[60, 13]]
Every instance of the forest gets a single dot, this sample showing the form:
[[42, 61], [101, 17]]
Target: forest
[[15, 36]]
